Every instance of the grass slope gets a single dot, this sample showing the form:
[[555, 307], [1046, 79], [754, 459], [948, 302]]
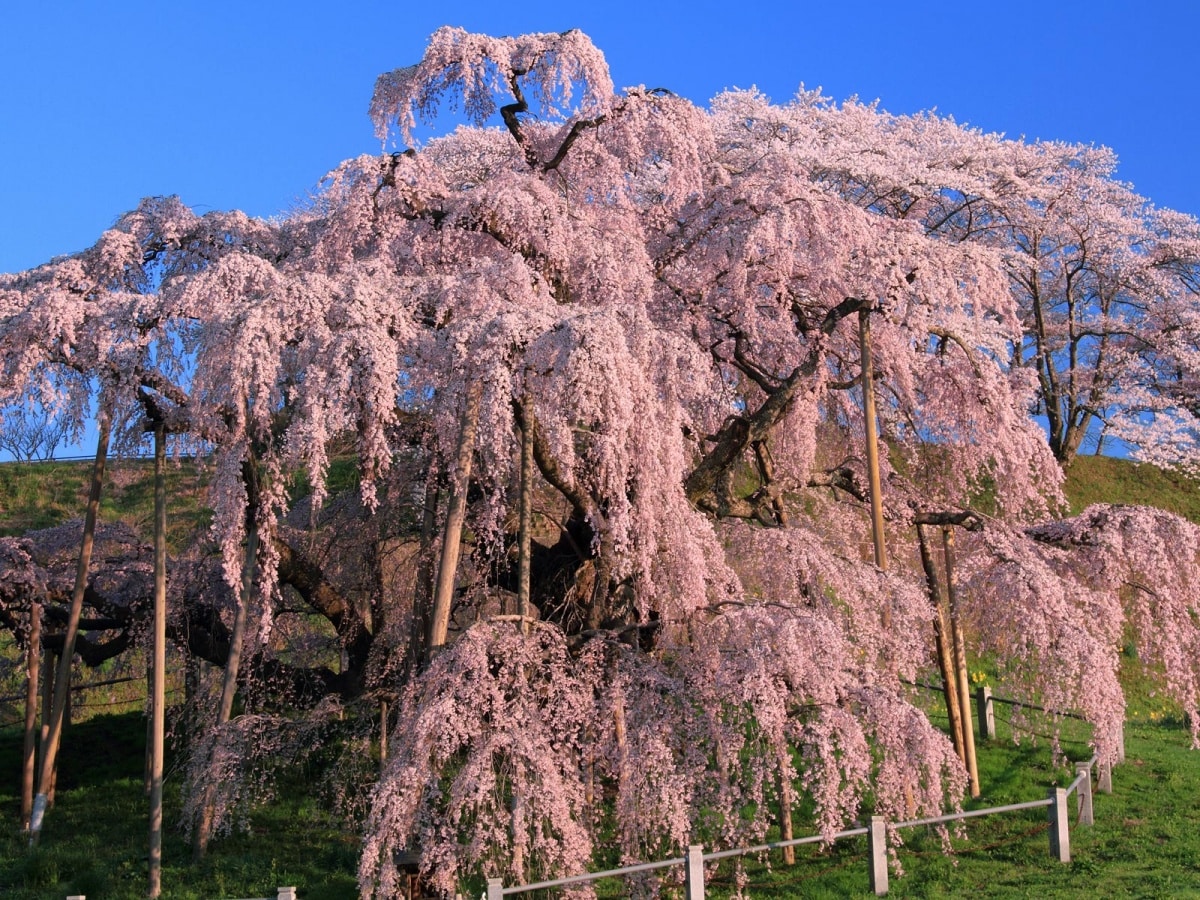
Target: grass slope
[[1146, 841], [1103, 479]]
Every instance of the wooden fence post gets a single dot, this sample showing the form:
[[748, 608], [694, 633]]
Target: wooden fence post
[[1084, 806], [1106, 778], [693, 873], [1060, 834], [1121, 744], [495, 889], [987, 714], [286, 893], [877, 849]]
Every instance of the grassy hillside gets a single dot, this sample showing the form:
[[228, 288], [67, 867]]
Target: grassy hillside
[[1103, 479], [41, 495], [1146, 842]]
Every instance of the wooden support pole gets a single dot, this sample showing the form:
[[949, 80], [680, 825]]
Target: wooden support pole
[[29, 750], [456, 513], [383, 732], [960, 665], [874, 481], [787, 797], [62, 682], [49, 667], [203, 830], [987, 713], [945, 651], [158, 667], [525, 527]]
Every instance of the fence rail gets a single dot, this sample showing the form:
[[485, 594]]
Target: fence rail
[[1056, 803], [283, 893]]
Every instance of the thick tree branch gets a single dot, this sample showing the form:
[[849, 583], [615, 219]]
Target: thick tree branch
[[739, 432]]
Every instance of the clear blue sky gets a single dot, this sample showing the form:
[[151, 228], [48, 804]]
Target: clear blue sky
[[247, 104]]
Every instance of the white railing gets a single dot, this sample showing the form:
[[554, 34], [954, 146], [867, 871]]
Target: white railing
[[283, 893], [1058, 832]]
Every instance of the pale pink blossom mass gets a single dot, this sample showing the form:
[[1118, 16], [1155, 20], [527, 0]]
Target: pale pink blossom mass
[[667, 300]]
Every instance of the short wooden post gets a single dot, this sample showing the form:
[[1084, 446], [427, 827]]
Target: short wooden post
[[693, 873], [1105, 778], [1060, 834], [286, 893], [495, 889], [877, 849], [1121, 743], [1084, 806], [987, 714], [77, 897]]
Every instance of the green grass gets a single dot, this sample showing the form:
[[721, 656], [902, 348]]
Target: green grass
[[1103, 479], [42, 495], [94, 840], [1146, 841]]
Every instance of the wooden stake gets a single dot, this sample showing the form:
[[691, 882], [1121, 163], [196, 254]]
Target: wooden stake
[[443, 594], [159, 666], [873, 479], [29, 765], [960, 663], [62, 683]]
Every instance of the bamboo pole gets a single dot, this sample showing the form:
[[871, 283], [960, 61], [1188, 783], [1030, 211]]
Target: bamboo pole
[[159, 666], [456, 513], [29, 755], [960, 664], [62, 683], [941, 626], [872, 432], [525, 527]]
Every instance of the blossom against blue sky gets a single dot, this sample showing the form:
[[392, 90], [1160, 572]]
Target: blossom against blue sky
[[247, 105]]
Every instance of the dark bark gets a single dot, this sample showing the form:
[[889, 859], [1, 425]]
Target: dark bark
[[709, 483]]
